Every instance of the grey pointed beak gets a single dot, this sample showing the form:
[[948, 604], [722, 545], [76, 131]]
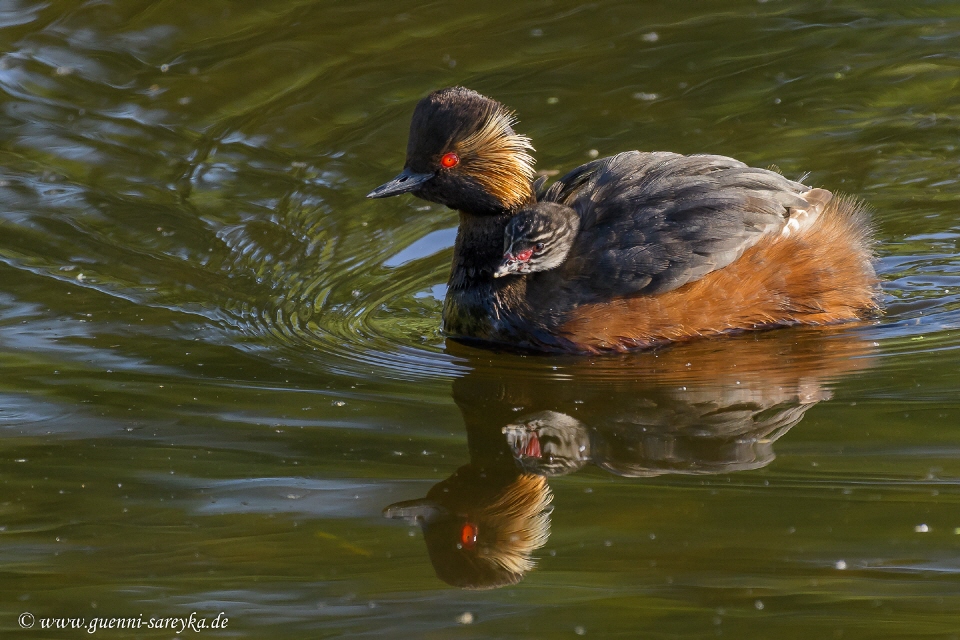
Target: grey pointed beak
[[406, 182]]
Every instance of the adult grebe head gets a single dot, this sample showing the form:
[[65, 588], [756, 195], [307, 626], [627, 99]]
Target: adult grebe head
[[463, 153]]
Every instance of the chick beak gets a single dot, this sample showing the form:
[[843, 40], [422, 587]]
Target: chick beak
[[509, 265], [406, 182]]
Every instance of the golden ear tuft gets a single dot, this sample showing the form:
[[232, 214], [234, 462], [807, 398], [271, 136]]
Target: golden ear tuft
[[499, 159], [520, 519]]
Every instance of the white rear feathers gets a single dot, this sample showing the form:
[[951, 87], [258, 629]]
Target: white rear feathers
[[800, 219]]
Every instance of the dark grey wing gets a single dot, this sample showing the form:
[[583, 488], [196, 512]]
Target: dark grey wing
[[652, 222], [539, 188]]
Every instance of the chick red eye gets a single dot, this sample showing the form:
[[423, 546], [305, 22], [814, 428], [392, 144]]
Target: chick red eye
[[468, 535], [523, 256], [449, 160]]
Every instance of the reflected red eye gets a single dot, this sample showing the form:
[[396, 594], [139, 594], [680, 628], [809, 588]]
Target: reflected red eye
[[523, 256], [449, 160], [468, 535]]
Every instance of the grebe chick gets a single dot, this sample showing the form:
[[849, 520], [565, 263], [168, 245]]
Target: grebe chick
[[538, 238]]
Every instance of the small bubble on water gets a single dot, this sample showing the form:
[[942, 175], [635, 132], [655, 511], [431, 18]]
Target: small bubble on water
[[653, 36], [465, 618], [536, 33], [553, 100], [758, 605], [338, 403], [593, 153], [921, 528], [840, 565], [646, 97], [579, 630]]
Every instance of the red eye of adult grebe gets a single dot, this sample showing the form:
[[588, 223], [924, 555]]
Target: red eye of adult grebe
[[449, 160], [468, 535]]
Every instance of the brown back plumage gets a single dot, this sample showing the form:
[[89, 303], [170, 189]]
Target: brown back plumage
[[821, 275]]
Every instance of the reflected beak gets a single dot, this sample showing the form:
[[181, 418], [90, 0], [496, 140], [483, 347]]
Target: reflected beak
[[406, 182], [421, 510]]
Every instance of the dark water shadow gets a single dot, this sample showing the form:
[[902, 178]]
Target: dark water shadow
[[710, 407]]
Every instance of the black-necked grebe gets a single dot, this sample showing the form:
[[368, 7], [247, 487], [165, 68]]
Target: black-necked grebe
[[669, 246]]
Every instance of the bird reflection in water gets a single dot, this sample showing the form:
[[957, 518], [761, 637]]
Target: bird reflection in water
[[708, 407]]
